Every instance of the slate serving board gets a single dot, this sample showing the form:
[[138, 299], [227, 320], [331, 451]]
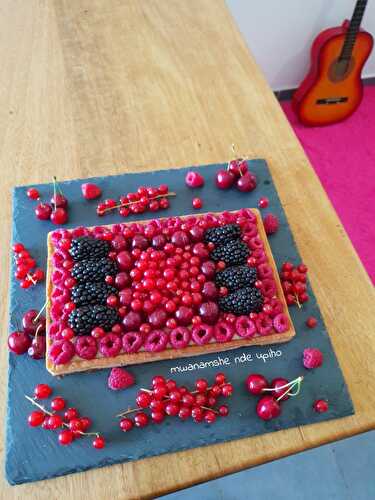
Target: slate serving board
[[34, 454]]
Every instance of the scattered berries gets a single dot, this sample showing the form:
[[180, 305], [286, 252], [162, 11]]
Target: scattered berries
[[293, 281], [56, 211], [194, 179], [26, 271], [237, 173], [90, 191], [197, 203], [33, 194], [263, 202], [320, 406], [311, 322], [120, 379], [312, 358], [271, 224]]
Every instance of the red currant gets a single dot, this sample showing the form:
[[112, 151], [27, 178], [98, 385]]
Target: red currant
[[42, 391], [58, 403]]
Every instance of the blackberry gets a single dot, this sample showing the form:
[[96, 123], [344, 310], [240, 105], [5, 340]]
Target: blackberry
[[91, 293], [87, 247], [242, 302], [94, 270], [83, 319], [222, 234], [236, 277], [232, 253]]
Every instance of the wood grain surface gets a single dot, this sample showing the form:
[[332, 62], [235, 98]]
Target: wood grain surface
[[93, 88]]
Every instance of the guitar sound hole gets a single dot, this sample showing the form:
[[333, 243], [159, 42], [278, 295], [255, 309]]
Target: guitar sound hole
[[340, 69]]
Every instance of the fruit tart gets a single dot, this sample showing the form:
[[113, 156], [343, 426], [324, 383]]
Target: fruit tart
[[158, 289]]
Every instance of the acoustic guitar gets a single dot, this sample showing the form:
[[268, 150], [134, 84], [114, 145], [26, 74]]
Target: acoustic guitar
[[332, 89]]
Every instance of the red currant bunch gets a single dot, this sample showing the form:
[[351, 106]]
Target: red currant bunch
[[70, 424], [165, 398], [26, 271], [56, 210], [144, 199], [280, 389], [293, 280], [237, 172]]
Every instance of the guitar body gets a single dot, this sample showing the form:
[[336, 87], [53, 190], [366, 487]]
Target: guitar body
[[332, 90]]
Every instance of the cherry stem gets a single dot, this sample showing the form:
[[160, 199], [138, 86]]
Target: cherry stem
[[40, 312], [54, 192], [56, 186], [47, 412], [37, 331], [121, 205]]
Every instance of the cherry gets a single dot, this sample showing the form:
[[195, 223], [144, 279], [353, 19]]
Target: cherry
[[311, 322], [65, 437], [42, 391], [99, 442], [58, 403], [30, 326], [59, 201], [90, 191], [33, 194], [246, 182], [279, 391], [194, 180], [224, 179], [19, 342], [36, 418], [37, 350], [268, 408], [256, 383], [43, 211], [320, 406], [59, 216], [197, 203]]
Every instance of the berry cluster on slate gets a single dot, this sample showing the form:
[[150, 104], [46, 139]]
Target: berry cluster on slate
[[243, 297], [89, 295], [26, 271], [56, 211], [165, 284]]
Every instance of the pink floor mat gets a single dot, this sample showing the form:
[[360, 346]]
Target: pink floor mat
[[343, 156]]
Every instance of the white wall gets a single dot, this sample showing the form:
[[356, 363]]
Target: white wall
[[279, 33]]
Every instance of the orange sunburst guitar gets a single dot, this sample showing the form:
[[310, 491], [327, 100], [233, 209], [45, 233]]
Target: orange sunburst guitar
[[332, 90]]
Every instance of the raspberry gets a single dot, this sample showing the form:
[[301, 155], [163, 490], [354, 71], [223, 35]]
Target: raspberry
[[271, 223], [202, 334], [110, 345], [156, 341], [132, 342], [281, 323], [245, 327], [120, 379], [312, 358], [61, 352], [86, 347], [264, 325], [180, 337], [223, 331]]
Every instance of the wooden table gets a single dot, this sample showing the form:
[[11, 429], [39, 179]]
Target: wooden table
[[96, 87]]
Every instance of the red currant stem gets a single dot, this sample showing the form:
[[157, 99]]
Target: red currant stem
[[210, 409], [47, 412], [129, 410], [297, 301], [121, 205], [149, 391], [29, 277], [40, 312], [209, 388]]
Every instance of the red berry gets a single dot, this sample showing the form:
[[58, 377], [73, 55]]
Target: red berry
[[271, 223], [85, 423], [66, 437], [246, 182], [33, 194], [223, 410], [17, 247], [302, 268], [197, 203], [287, 266], [312, 358], [36, 418], [59, 201], [279, 391], [197, 414], [201, 385], [38, 275], [126, 424], [311, 322], [70, 414], [19, 342], [164, 203], [256, 383], [194, 180], [75, 424], [42, 391], [98, 442], [143, 400], [263, 202], [268, 408], [158, 380], [220, 378], [43, 211], [141, 419], [67, 333], [58, 403], [209, 416], [320, 406], [54, 422], [90, 191], [227, 390], [59, 216], [224, 179]]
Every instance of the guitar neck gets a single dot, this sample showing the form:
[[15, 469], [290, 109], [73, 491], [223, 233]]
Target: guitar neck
[[353, 29]]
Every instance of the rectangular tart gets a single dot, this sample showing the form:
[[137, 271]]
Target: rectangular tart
[[60, 363]]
